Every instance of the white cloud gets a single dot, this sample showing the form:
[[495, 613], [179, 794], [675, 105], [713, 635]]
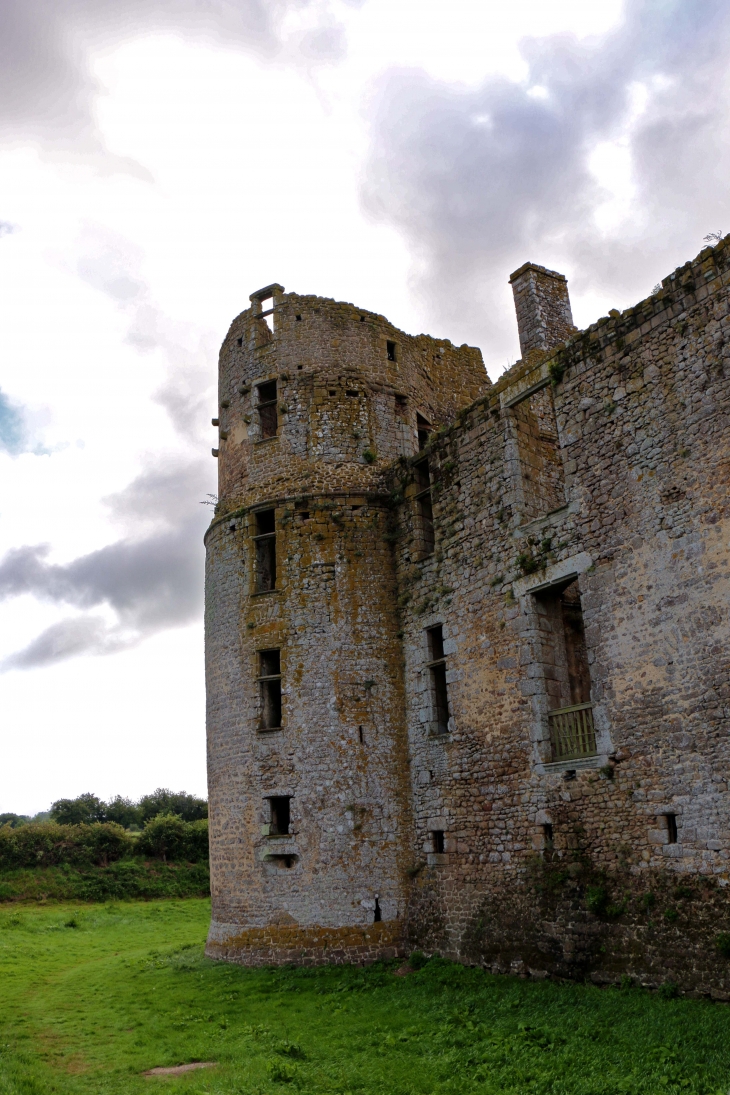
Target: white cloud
[[157, 169]]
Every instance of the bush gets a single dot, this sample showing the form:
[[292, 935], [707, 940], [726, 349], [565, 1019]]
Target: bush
[[417, 960], [49, 844], [722, 942], [169, 837], [598, 902]]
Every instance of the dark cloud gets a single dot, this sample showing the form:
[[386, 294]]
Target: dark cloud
[[47, 87], [13, 431], [481, 180], [151, 582]]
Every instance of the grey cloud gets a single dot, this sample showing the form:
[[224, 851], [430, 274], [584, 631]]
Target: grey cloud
[[326, 43], [165, 495], [47, 89], [480, 180], [151, 583], [66, 639]]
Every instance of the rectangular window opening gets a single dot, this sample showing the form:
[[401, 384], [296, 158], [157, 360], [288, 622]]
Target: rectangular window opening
[[424, 431], [390, 350], [437, 841], [439, 687], [547, 833], [267, 407], [267, 312], [671, 828], [270, 689], [436, 642], [265, 551], [566, 672], [280, 815]]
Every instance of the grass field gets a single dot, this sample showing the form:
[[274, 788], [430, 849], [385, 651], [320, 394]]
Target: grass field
[[92, 996]]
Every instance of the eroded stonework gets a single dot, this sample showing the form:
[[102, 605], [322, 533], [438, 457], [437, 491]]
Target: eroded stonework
[[467, 645]]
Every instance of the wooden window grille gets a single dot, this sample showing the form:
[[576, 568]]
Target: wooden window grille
[[265, 551], [270, 689], [572, 733], [267, 407]]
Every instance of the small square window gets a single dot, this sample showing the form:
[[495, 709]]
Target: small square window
[[280, 812], [436, 642], [437, 841]]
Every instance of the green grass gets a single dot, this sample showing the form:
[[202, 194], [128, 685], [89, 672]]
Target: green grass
[[93, 995]]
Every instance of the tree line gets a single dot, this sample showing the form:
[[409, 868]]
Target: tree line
[[87, 809]]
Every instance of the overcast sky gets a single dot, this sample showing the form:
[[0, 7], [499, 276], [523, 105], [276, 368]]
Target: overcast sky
[[162, 159]]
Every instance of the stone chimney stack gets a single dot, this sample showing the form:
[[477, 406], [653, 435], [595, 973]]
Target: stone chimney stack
[[542, 304]]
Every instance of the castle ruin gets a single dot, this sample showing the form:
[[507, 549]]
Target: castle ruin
[[468, 644]]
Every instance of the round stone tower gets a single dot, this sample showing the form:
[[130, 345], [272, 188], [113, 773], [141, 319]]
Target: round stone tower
[[307, 753]]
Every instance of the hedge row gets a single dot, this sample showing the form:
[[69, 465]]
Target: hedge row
[[127, 879], [51, 845]]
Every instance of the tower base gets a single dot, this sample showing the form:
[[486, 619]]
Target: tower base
[[288, 944]]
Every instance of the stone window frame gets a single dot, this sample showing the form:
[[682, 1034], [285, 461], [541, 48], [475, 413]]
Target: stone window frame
[[265, 405], [279, 851], [434, 731], [256, 538], [262, 679], [525, 590]]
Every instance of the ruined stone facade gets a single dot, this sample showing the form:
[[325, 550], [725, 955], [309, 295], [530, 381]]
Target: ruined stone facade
[[468, 645]]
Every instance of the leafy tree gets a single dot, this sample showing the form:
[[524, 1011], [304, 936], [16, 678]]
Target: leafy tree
[[85, 809], [123, 811], [13, 820], [163, 801]]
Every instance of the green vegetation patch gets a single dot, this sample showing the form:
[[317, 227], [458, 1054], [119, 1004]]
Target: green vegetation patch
[[94, 996], [49, 844], [131, 878]]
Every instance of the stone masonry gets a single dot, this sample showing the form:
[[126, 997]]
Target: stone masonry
[[467, 645]]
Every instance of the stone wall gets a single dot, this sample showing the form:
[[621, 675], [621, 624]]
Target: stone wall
[[641, 409], [562, 542]]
